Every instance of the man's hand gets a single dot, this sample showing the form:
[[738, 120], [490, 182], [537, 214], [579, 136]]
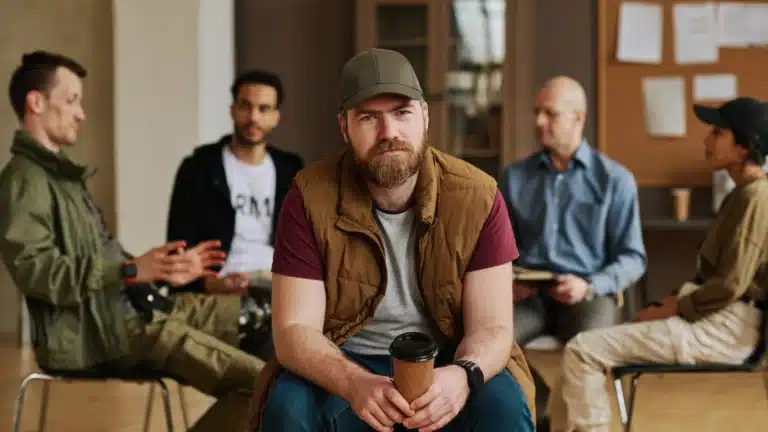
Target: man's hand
[[375, 399], [442, 402], [522, 292], [569, 289], [232, 283], [666, 309], [180, 268], [196, 262], [156, 263]]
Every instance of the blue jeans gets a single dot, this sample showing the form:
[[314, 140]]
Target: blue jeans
[[295, 404]]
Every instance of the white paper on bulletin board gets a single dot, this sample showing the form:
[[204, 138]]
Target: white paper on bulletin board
[[714, 87], [640, 33], [665, 107]]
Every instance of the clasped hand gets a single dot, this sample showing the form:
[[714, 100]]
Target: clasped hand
[[376, 400], [177, 265]]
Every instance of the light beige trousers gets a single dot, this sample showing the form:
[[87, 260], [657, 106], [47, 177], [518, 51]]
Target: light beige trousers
[[579, 400]]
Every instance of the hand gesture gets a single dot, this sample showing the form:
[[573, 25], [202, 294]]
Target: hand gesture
[[377, 402], [569, 289], [156, 263], [442, 402], [196, 262], [232, 283]]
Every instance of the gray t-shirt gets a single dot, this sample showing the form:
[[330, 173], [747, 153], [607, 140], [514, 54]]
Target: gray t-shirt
[[402, 309]]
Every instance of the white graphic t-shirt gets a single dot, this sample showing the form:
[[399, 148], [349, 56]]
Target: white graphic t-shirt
[[252, 191]]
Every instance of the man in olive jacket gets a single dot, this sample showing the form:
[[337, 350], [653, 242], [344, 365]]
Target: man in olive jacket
[[93, 306]]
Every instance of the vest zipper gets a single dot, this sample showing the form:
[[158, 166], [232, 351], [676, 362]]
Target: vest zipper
[[421, 231]]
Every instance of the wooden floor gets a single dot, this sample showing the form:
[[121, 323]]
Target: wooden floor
[[728, 403]]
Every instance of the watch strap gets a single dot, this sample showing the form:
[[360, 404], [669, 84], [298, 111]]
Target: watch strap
[[475, 376], [129, 273]]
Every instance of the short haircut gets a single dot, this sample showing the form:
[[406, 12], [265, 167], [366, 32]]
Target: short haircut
[[36, 73], [259, 76]]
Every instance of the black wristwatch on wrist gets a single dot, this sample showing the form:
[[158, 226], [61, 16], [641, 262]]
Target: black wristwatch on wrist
[[475, 375], [129, 272]]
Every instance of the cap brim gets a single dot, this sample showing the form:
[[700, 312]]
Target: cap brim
[[380, 89], [709, 115]]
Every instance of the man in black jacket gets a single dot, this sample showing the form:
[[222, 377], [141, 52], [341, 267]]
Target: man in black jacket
[[232, 190]]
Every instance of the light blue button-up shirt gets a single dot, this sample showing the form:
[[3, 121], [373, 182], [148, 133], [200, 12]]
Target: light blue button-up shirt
[[583, 221]]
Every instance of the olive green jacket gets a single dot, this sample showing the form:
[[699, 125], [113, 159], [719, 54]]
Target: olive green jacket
[[51, 244]]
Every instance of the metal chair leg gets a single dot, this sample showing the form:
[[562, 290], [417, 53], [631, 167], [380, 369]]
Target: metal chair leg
[[620, 400], [183, 402], [167, 405], [148, 410], [44, 405], [20, 398], [632, 397]]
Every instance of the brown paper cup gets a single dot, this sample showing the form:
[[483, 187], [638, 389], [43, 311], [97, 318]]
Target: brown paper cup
[[682, 199], [413, 360]]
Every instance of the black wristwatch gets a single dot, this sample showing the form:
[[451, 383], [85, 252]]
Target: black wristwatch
[[475, 375], [129, 272]]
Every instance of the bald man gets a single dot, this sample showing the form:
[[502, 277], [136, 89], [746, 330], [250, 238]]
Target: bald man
[[575, 213]]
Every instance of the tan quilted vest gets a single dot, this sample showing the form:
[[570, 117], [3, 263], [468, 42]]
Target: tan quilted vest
[[453, 200]]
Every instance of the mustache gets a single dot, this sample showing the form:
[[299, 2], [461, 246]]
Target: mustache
[[391, 145]]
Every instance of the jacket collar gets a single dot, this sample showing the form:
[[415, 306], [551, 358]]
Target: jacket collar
[[356, 204], [59, 164]]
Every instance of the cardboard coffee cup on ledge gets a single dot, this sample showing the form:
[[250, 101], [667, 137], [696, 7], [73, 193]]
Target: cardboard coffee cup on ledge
[[682, 203], [413, 358]]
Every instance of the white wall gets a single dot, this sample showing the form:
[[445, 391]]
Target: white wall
[[174, 62], [216, 65]]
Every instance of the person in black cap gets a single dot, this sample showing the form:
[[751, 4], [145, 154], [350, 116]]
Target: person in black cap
[[714, 318]]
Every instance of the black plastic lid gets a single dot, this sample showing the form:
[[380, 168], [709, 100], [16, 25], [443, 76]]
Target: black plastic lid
[[413, 347]]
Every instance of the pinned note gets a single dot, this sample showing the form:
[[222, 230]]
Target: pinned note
[[640, 33], [696, 35], [714, 87], [732, 25], [665, 107]]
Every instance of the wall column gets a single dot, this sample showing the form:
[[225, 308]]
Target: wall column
[[174, 64]]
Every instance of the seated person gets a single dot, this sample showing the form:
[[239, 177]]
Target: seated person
[[575, 213], [392, 236], [92, 306], [715, 318], [231, 191]]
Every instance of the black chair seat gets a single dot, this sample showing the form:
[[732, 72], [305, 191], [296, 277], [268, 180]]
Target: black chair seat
[[673, 368]]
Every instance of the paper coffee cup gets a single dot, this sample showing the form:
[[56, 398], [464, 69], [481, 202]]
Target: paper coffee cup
[[413, 358], [682, 202]]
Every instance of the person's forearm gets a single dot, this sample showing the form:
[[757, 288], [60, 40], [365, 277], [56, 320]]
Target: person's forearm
[[490, 348], [306, 352], [619, 275]]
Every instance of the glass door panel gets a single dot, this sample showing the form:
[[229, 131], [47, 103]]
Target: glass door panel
[[473, 81], [404, 28]]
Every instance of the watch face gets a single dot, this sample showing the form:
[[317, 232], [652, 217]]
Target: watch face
[[129, 270]]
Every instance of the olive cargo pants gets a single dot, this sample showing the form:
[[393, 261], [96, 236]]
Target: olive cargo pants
[[197, 341]]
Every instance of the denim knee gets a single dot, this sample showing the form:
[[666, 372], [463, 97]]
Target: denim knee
[[291, 405], [500, 406]]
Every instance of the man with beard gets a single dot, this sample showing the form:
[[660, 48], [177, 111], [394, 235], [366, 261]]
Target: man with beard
[[391, 237], [576, 214], [93, 307], [232, 191]]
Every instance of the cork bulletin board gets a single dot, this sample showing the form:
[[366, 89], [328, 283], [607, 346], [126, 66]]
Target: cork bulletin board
[[621, 129]]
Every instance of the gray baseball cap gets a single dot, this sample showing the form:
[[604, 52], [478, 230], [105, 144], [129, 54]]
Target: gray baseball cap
[[378, 71]]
